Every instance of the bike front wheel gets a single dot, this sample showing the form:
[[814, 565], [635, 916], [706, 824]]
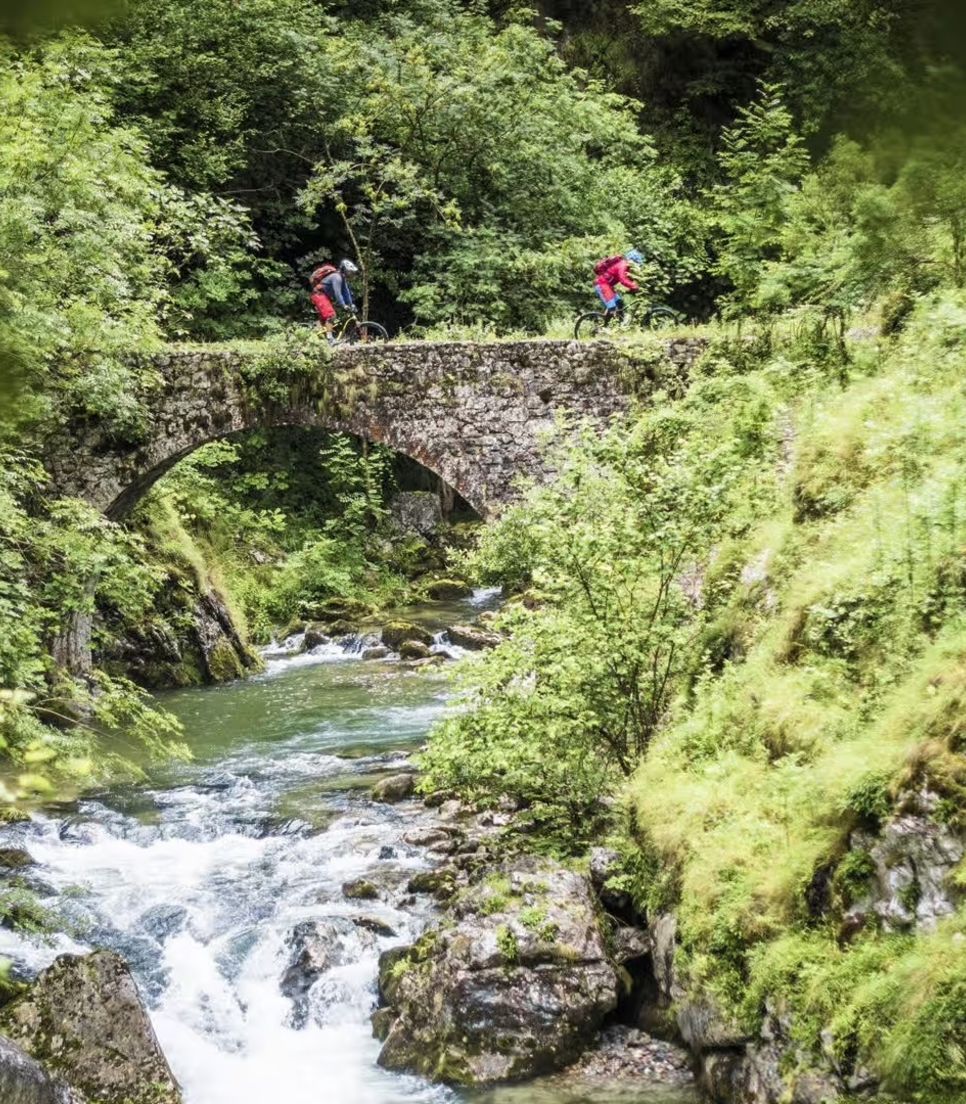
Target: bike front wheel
[[366, 332], [661, 318], [589, 325]]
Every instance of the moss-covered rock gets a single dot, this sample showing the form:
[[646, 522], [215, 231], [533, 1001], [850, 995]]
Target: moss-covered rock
[[397, 787], [445, 589], [83, 1020], [395, 632], [360, 890], [414, 649], [15, 858], [9, 814], [223, 662], [514, 983], [337, 609]]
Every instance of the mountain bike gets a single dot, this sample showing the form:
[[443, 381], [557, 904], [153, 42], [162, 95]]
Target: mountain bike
[[350, 331], [654, 317]]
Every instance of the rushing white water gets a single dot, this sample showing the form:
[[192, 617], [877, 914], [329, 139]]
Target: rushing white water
[[200, 878]]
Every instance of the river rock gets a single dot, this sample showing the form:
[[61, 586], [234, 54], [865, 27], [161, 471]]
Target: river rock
[[315, 635], [440, 590], [317, 946], [472, 637], [440, 883], [15, 858], [379, 651], [395, 632], [337, 609], [25, 1081], [514, 984], [83, 1020], [375, 925], [397, 787], [360, 890], [414, 649]]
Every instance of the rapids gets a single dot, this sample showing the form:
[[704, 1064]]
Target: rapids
[[199, 876]]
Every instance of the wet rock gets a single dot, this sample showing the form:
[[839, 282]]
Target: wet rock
[[440, 590], [342, 628], [23, 1080], [374, 925], [15, 858], [515, 984], [387, 852], [426, 837], [397, 787], [316, 947], [472, 637], [381, 1022], [360, 890], [163, 920], [438, 882], [315, 635], [395, 632], [414, 649], [83, 1020], [379, 651]]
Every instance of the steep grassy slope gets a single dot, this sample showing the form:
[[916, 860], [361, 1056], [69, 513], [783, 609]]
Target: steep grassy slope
[[833, 689]]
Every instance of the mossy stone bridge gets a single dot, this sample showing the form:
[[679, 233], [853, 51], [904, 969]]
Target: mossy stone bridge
[[474, 414]]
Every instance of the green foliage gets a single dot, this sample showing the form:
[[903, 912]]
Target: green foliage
[[59, 558], [614, 551]]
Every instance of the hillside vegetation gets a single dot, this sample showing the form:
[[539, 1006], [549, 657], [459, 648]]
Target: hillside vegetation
[[744, 615]]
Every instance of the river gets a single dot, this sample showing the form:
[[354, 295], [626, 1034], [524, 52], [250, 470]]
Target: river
[[200, 875]]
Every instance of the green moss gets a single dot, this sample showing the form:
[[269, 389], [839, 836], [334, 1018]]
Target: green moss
[[224, 663]]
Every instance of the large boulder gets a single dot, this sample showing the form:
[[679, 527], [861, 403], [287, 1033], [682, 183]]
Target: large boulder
[[472, 637], [395, 632], [515, 984], [83, 1020], [23, 1080], [397, 787], [440, 590]]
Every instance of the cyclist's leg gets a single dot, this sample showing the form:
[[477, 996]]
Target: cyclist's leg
[[607, 295], [326, 311]]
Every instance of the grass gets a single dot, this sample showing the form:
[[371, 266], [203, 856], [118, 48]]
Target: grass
[[842, 684]]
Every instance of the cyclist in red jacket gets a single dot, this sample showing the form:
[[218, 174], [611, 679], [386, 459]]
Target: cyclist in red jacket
[[330, 289], [614, 271]]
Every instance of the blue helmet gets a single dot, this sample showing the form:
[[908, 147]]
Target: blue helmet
[[634, 256]]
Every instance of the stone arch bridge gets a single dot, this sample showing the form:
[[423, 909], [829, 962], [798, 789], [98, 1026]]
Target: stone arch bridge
[[474, 414]]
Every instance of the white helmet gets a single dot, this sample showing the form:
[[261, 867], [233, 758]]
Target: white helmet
[[349, 267]]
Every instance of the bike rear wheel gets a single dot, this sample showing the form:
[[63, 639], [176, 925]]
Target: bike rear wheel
[[591, 324]]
